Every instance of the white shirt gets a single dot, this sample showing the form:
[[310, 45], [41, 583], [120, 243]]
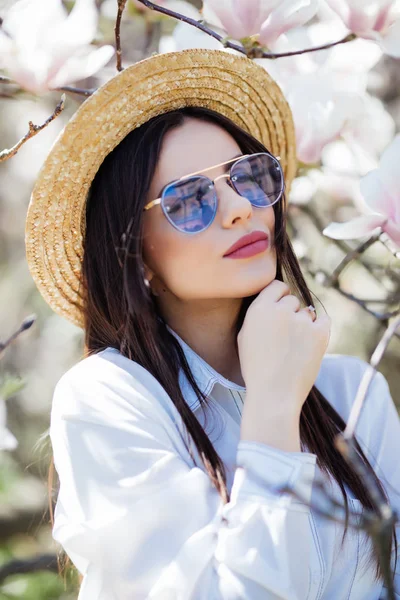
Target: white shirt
[[140, 519]]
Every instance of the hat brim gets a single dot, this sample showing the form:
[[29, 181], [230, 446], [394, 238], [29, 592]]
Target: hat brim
[[233, 85]]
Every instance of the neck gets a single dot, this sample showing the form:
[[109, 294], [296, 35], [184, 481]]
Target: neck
[[209, 328]]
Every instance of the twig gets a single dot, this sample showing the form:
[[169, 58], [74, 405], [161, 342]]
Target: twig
[[382, 317], [367, 379], [64, 88], [387, 242], [319, 226], [252, 51], [74, 90], [353, 254], [26, 324], [117, 29], [321, 277], [33, 130]]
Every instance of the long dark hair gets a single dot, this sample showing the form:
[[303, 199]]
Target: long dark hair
[[121, 313]]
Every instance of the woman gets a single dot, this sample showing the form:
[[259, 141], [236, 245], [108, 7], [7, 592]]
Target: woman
[[188, 440]]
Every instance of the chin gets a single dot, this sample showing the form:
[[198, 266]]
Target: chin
[[248, 289]]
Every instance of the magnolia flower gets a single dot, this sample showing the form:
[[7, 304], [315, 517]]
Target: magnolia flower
[[186, 36], [42, 47], [7, 440], [325, 90], [266, 19], [377, 20], [381, 191]]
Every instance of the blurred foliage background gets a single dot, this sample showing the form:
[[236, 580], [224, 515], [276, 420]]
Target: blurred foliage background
[[32, 365]]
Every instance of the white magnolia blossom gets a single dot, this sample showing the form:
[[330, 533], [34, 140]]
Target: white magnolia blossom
[[377, 20], [42, 47], [266, 19], [326, 90], [381, 192], [7, 440], [186, 36]]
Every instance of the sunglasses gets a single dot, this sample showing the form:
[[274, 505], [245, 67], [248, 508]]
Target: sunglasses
[[190, 203]]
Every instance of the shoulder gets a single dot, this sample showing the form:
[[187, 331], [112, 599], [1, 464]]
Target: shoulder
[[108, 383]]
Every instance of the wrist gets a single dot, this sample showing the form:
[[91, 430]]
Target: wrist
[[277, 425]]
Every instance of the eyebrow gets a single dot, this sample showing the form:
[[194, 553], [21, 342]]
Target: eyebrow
[[225, 169]]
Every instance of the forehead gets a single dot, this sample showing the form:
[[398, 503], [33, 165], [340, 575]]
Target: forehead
[[192, 146]]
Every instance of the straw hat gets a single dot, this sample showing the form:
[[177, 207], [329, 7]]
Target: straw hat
[[233, 85]]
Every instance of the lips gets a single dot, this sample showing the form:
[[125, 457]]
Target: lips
[[251, 238]]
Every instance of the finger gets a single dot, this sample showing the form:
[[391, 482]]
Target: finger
[[277, 290], [324, 323], [291, 302], [309, 312], [323, 326]]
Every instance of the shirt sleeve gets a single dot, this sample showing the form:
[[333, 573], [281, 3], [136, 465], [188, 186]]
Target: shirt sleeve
[[140, 520]]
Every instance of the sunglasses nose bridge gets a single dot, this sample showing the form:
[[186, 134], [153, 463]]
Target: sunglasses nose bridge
[[224, 176]]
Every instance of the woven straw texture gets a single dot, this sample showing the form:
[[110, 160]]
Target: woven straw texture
[[232, 85]]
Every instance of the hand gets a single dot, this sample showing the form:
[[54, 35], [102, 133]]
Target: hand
[[281, 346]]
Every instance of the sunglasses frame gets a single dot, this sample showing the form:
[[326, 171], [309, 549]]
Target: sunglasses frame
[[235, 160]]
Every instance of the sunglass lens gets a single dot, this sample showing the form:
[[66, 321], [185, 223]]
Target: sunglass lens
[[190, 205], [258, 178]]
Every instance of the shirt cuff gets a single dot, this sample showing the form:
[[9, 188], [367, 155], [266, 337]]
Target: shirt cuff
[[265, 470]]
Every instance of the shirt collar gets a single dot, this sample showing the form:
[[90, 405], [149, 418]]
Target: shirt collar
[[205, 376]]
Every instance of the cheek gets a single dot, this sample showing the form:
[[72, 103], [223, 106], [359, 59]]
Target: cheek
[[268, 218], [173, 257]]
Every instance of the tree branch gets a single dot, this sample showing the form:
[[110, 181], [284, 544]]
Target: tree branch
[[64, 88], [74, 90], [33, 130], [367, 379], [117, 29], [353, 254], [253, 51]]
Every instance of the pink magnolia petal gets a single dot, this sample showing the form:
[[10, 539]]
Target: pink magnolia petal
[[241, 18], [287, 15], [78, 29], [393, 231], [374, 193], [28, 21], [389, 168], [318, 116], [355, 228], [381, 187], [252, 13], [224, 10], [76, 68], [365, 18]]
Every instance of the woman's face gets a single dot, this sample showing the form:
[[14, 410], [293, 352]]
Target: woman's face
[[193, 266]]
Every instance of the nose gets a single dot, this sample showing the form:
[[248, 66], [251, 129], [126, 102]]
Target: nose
[[232, 207]]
